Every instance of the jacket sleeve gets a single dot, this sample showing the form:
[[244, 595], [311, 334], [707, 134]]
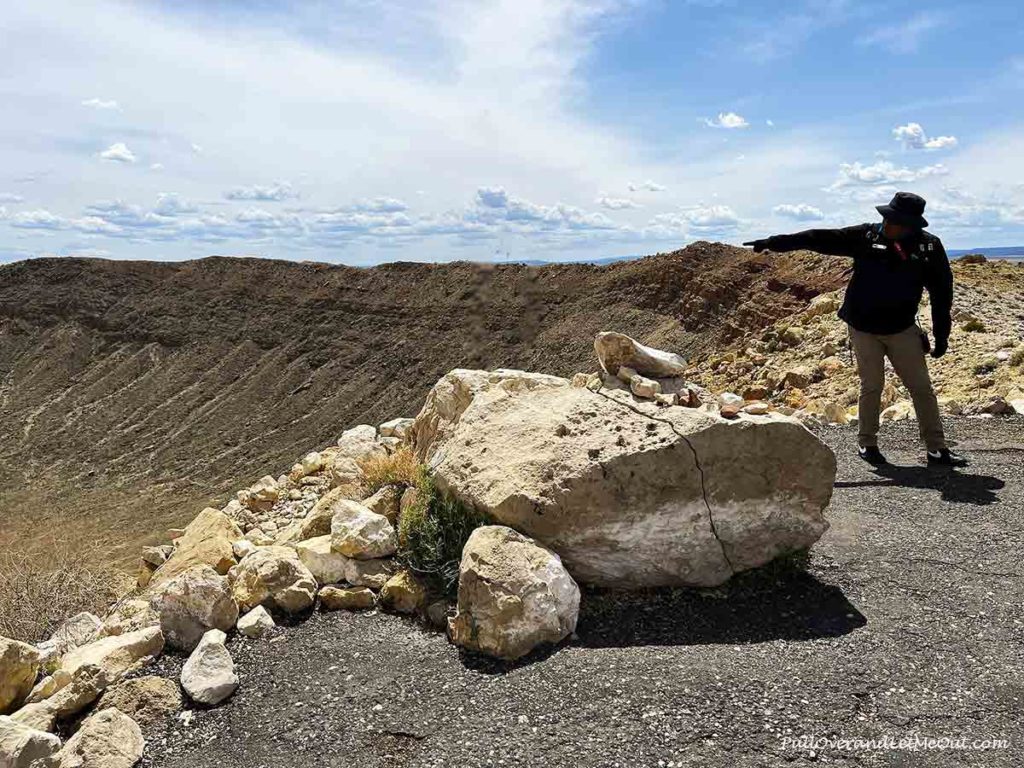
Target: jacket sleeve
[[940, 291], [832, 242]]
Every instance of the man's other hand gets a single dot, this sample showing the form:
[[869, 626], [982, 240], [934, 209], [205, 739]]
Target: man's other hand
[[941, 345], [758, 245]]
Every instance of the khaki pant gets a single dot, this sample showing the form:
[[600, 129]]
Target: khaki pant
[[907, 356]]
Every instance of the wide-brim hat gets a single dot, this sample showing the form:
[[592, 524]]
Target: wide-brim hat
[[905, 208]]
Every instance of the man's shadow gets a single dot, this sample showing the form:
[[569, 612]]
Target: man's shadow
[[955, 485]]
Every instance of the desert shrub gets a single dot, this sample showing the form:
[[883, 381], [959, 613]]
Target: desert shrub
[[987, 365], [1017, 356], [40, 589], [432, 533], [973, 325], [398, 468]]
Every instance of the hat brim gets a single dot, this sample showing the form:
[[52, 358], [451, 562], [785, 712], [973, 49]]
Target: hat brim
[[899, 217]]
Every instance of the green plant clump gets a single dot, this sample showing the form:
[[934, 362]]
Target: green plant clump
[[432, 533]]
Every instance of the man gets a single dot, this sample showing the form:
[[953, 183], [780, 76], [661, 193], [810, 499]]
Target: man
[[893, 262]]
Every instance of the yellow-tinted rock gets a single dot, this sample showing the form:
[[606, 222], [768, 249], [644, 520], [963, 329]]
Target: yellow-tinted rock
[[346, 598], [206, 541], [403, 592]]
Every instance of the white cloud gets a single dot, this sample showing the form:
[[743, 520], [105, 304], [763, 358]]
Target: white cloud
[[616, 203], [9, 197], [101, 104], [770, 123], [727, 120], [156, 167], [883, 172], [800, 212], [907, 36], [701, 220], [274, 192], [646, 186], [913, 136], [118, 153], [196, 149]]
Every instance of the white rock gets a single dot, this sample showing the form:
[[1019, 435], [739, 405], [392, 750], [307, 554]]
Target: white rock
[[626, 374], [326, 566], [256, 622], [208, 676], [900, 411], [386, 501], [359, 443], [615, 350], [107, 739], [21, 746], [117, 654], [242, 548], [641, 386], [274, 577], [514, 595], [730, 398], [311, 463], [258, 537], [396, 428], [193, 602], [358, 533]]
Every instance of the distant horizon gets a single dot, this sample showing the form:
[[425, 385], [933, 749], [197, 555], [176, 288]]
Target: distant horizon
[[1001, 253]]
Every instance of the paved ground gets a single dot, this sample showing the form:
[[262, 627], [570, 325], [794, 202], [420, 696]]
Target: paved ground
[[909, 620]]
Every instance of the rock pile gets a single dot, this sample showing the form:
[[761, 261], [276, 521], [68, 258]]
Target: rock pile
[[803, 365], [631, 476]]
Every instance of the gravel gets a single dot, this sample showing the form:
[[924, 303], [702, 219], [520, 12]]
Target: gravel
[[906, 622]]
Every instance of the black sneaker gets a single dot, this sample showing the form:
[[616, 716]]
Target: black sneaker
[[872, 455], [945, 458]]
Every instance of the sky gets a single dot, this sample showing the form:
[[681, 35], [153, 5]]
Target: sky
[[367, 131]]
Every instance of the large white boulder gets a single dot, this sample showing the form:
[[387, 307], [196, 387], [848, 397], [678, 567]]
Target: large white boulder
[[273, 577], [107, 739], [19, 665], [358, 533], [631, 494], [193, 602], [21, 746], [453, 393], [208, 676], [514, 595], [616, 350]]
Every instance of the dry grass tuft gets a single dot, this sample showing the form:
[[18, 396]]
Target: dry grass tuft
[[398, 468], [42, 588]]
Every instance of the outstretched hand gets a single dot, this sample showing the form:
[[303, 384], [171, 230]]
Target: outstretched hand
[[759, 245]]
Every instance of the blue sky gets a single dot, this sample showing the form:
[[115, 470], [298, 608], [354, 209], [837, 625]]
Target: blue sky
[[368, 131]]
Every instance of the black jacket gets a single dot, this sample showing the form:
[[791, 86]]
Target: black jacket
[[886, 286]]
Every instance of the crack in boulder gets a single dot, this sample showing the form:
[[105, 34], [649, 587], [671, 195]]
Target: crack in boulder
[[696, 461]]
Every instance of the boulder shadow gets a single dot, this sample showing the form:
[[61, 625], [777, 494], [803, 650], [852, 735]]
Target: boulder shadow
[[954, 485], [754, 607]]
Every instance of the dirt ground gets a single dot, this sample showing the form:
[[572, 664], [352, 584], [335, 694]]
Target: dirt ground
[[908, 622]]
